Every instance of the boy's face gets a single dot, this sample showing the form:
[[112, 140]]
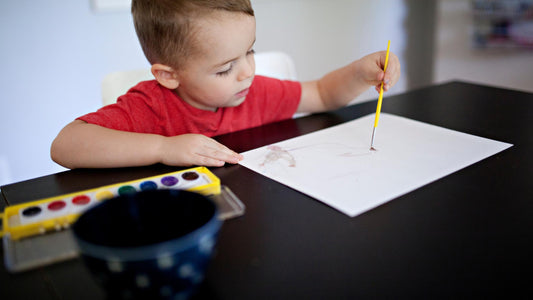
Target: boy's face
[[223, 70]]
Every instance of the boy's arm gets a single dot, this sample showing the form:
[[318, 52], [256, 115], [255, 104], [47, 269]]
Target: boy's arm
[[83, 145], [338, 88]]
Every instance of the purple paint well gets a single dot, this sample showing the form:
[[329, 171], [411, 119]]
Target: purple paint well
[[169, 180]]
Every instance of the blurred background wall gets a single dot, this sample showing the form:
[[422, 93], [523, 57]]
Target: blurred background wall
[[54, 54]]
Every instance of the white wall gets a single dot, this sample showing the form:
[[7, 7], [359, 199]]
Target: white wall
[[54, 54], [322, 35]]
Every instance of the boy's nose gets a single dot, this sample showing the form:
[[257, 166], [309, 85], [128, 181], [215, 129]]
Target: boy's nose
[[248, 69]]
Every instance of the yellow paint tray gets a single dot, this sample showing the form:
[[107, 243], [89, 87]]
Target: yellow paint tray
[[36, 233]]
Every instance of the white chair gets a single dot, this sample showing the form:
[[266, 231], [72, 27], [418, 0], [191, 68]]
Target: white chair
[[118, 83], [273, 64]]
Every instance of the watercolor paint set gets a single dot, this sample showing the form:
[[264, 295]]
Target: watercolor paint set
[[37, 233]]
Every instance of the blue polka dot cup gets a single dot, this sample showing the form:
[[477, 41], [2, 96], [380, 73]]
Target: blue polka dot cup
[[149, 245]]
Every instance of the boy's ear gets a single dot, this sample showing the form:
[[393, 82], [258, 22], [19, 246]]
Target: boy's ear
[[166, 76]]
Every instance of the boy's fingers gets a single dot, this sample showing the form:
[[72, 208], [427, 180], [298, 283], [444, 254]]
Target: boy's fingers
[[220, 152], [210, 162], [392, 74], [234, 156], [230, 157]]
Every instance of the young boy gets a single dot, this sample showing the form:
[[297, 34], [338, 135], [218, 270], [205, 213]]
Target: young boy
[[202, 59]]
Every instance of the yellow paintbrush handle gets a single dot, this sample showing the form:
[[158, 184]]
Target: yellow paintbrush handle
[[380, 99]]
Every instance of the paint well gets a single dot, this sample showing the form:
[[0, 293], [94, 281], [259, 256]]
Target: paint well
[[190, 176], [57, 205], [31, 211], [148, 185], [103, 195], [169, 180], [126, 189], [81, 200]]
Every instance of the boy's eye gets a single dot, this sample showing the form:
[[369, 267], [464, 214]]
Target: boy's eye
[[225, 72], [230, 68]]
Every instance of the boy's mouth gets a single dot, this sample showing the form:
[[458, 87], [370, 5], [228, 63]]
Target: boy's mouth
[[242, 93]]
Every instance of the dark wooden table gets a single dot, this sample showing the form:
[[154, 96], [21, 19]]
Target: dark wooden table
[[467, 235]]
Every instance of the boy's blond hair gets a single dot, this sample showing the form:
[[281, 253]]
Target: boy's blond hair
[[165, 27]]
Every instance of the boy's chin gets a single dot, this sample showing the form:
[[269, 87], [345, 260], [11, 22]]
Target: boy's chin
[[236, 102]]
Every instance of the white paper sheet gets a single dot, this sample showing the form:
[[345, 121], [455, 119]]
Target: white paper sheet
[[335, 165]]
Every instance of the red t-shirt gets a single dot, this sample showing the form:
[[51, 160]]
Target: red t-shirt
[[149, 107]]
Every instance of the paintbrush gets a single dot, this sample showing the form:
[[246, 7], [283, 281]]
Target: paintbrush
[[380, 100]]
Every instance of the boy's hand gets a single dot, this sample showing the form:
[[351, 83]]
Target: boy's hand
[[196, 149], [338, 88], [372, 65]]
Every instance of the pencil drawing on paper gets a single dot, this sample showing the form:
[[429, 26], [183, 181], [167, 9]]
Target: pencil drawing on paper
[[276, 153]]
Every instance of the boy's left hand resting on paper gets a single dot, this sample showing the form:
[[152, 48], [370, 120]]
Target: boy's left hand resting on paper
[[196, 149], [83, 145]]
